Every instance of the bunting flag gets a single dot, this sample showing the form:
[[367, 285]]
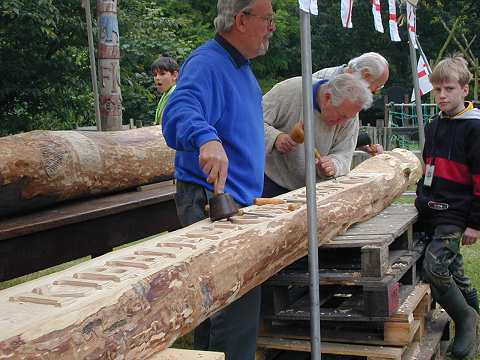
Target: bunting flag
[[346, 13], [423, 74], [392, 21], [377, 16], [412, 24], [309, 6]]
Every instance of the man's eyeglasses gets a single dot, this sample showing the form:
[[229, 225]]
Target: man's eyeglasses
[[269, 19]]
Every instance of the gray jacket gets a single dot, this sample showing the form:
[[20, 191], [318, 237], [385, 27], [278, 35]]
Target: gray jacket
[[282, 109]]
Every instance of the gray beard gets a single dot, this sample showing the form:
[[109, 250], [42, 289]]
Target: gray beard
[[264, 48]]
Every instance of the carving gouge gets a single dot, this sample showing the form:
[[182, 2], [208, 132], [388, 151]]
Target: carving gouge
[[243, 212], [276, 201]]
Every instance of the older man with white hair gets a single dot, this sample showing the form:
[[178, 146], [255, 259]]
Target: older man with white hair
[[336, 103], [371, 67]]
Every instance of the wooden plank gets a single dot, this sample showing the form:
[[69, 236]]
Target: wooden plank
[[357, 241], [182, 354], [374, 261], [419, 296], [381, 352], [84, 210], [38, 250], [146, 312], [437, 322]]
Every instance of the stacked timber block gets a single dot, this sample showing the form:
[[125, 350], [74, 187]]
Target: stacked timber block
[[371, 303], [182, 354]]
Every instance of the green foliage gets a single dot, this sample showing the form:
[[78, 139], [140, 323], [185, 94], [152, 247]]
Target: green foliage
[[148, 29], [283, 57], [44, 65]]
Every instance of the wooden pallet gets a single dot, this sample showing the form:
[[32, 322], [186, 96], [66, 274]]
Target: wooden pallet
[[399, 329], [286, 297], [424, 346], [368, 249], [371, 261], [361, 272]]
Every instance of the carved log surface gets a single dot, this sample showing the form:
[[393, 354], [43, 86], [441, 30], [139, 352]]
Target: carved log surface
[[39, 168], [136, 301]]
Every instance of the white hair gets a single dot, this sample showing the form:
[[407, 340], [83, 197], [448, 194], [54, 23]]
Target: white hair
[[372, 63], [349, 87], [227, 9]]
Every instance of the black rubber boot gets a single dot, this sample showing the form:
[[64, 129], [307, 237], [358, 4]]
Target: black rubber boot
[[471, 297], [466, 320]]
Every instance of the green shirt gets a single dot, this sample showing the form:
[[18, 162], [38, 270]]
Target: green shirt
[[161, 105]]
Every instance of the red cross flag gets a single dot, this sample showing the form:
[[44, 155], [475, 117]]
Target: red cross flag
[[392, 21], [377, 17], [423, 81], [346, 13], [412, 24], [309, 6]]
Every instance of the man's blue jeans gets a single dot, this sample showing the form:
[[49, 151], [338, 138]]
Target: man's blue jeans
[[234, 329]]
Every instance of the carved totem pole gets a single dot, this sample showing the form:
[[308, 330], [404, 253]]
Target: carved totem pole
[[109, 65]]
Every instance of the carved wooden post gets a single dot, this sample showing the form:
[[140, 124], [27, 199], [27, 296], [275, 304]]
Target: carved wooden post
[[109, 65]]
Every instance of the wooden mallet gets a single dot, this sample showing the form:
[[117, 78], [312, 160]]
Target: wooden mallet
[[297, 134]]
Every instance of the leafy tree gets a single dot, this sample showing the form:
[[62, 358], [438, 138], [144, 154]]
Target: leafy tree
[[45, 80], [44, 65], [148, 29]]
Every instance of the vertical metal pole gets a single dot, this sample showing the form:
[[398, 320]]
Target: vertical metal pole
[[418, 99], [311, 185], [93, 66]]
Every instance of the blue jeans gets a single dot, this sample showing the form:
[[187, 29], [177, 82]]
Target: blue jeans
[[234, 329], [272, 189]]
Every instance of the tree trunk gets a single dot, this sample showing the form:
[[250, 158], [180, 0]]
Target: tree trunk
[[134, 302], [40, 168]]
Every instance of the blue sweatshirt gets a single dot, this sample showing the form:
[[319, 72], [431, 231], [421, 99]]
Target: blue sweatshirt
[[217, 99]]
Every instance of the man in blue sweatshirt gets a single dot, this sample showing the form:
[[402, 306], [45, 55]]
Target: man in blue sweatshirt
[[214, 120]]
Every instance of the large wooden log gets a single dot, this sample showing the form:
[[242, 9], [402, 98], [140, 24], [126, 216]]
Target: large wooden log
[[40, 168], [134, 302]]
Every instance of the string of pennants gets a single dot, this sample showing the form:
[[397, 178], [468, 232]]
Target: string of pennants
[[423, 69], [346, 10]]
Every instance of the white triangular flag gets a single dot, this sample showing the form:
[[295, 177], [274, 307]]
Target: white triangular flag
[[377, 17], [423, 74], [346, 13], [309, 6], [412, 24], [392, 21]]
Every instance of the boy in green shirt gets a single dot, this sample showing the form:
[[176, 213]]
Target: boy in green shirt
[[165, 72]]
